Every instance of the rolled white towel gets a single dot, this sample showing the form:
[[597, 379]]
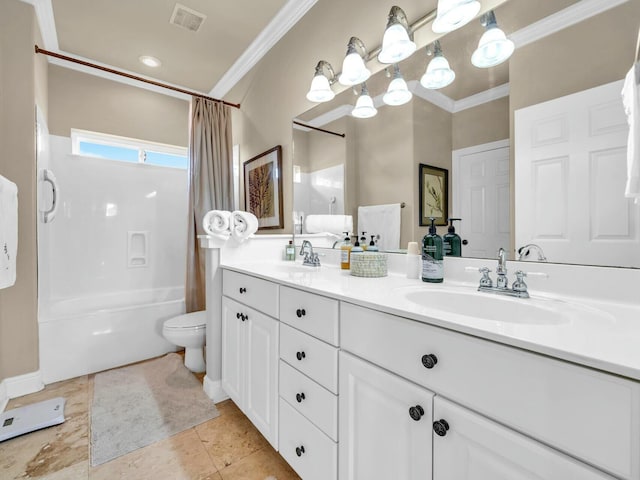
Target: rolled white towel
[[336, 224], [217, 222], [244, 224]]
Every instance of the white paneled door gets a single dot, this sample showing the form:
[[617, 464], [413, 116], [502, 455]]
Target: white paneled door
[[481, 198], [570, 173]]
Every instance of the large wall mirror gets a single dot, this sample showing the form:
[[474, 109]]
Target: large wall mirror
[[535, 148]]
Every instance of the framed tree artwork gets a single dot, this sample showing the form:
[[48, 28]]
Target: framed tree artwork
[[263, 188], [434, 194]]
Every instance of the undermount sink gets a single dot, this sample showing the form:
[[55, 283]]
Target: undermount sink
[[489, 307], [291, 267]]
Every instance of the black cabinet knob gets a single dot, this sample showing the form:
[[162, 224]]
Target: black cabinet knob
[[300, 355], [238, 315], [300, 450], [429, 360], [243, 290], [416, 412], [441, 427], [244, 317], [465, 242], [300, 312], [300, 397]]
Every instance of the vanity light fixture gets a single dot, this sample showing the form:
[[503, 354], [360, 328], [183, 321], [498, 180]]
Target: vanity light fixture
[[396, 43], [150, 61], [494, 46], [453, 14], [354, 71], [320, 90], [397, 93], [364, 106], [439, 73]]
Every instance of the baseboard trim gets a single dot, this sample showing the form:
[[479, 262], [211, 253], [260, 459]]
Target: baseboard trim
[[213, 389], [23, 384], [4, 397]]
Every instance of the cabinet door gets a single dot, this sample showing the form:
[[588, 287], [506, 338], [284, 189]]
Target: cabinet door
[[475, 448], [232, 350], [261, 370], [378, 438]]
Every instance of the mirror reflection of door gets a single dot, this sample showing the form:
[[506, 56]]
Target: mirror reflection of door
[[481, 198]]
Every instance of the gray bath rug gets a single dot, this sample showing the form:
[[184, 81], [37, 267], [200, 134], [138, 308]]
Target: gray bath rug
[[138, 405]]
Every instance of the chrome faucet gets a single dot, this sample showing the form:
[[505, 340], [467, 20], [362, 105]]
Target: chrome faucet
[[311, 259], [523, 252], [519, 288], [501, 270]]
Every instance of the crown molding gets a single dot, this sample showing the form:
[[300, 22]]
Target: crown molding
[[565, 18], [284, 20], [46, 22], [487, 96], [439, 99]]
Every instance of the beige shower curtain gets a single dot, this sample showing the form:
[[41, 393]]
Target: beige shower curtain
[[210, 185]]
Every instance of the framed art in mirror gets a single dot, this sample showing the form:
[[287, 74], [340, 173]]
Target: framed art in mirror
[[263, 188], [434, 194]]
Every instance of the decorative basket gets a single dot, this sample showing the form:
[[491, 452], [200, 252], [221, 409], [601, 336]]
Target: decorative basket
[[368, 264]]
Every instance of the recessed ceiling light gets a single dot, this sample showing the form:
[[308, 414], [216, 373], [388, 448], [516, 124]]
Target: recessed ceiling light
[[150, 61]]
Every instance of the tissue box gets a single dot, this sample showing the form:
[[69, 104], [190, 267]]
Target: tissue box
[[368, 264]]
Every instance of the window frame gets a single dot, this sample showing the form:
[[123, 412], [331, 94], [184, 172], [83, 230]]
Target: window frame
[[142, 146]]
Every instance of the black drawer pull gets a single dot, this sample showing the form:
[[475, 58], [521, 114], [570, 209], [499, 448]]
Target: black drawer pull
[[243, 290], [238, 315], [300, 397], [441, 427], [300, 355], [429, 360], [300, 312], [300, 450], [416, 412]]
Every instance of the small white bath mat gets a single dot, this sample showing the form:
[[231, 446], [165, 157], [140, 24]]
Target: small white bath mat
[[138, 405]]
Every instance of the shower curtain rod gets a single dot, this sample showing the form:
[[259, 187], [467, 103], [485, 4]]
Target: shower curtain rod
[[133, 77], [319, 129]]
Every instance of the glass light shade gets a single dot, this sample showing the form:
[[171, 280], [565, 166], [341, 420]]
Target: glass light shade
[[453, 14], [493, 49], [396, 45], [438, 74], [364, 107], [354, 71], [320, 90], [397, 93]]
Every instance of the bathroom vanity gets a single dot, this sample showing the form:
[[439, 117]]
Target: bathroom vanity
[[355, 378]]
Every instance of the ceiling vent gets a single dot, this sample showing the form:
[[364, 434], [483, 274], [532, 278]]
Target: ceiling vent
[[187, 18]]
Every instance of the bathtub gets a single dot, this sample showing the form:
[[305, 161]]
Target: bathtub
[[90, 334]]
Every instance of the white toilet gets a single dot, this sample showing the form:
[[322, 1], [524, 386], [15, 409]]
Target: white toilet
[[188, 331]]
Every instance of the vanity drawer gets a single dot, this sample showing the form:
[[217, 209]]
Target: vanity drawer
[[251, 291], [312, 454], [314, 314], [316, 403], [309, 355], [589, 414]]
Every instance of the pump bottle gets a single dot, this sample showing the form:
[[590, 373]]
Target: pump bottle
[[432, 266], [345, 253], [452, 243]]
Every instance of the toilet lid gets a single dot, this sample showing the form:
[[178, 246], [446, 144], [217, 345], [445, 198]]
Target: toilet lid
[[188, 320]]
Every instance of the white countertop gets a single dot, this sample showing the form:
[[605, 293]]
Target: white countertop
[[598, 334]]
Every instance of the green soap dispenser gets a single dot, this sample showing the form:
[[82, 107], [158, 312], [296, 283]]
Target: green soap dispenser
[[451, 241], [432, 266]]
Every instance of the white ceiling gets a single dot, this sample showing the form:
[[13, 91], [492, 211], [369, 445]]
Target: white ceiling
[[115, 33]]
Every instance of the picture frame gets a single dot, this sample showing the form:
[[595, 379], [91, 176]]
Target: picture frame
[[263, 188], [433, 185]]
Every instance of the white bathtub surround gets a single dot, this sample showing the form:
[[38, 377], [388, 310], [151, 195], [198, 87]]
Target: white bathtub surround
[[8, 231], [96, 311]]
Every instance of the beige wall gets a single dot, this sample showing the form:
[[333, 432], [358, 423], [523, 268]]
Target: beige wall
[[485, 123], [22, 81], [87, 102]]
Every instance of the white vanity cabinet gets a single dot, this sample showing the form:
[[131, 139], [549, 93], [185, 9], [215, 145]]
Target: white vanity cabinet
[[309, 383], [250, 352], [587, 414], [385, 424]]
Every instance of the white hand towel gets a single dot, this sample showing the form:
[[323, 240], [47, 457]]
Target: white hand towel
[[244, 224], [217, 222], [383, 220], [631, 102], [335, 224], [8, 232]]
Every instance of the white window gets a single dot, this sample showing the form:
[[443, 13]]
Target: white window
[[123, 149]]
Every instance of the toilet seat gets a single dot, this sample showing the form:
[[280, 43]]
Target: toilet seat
[[187, 321]]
